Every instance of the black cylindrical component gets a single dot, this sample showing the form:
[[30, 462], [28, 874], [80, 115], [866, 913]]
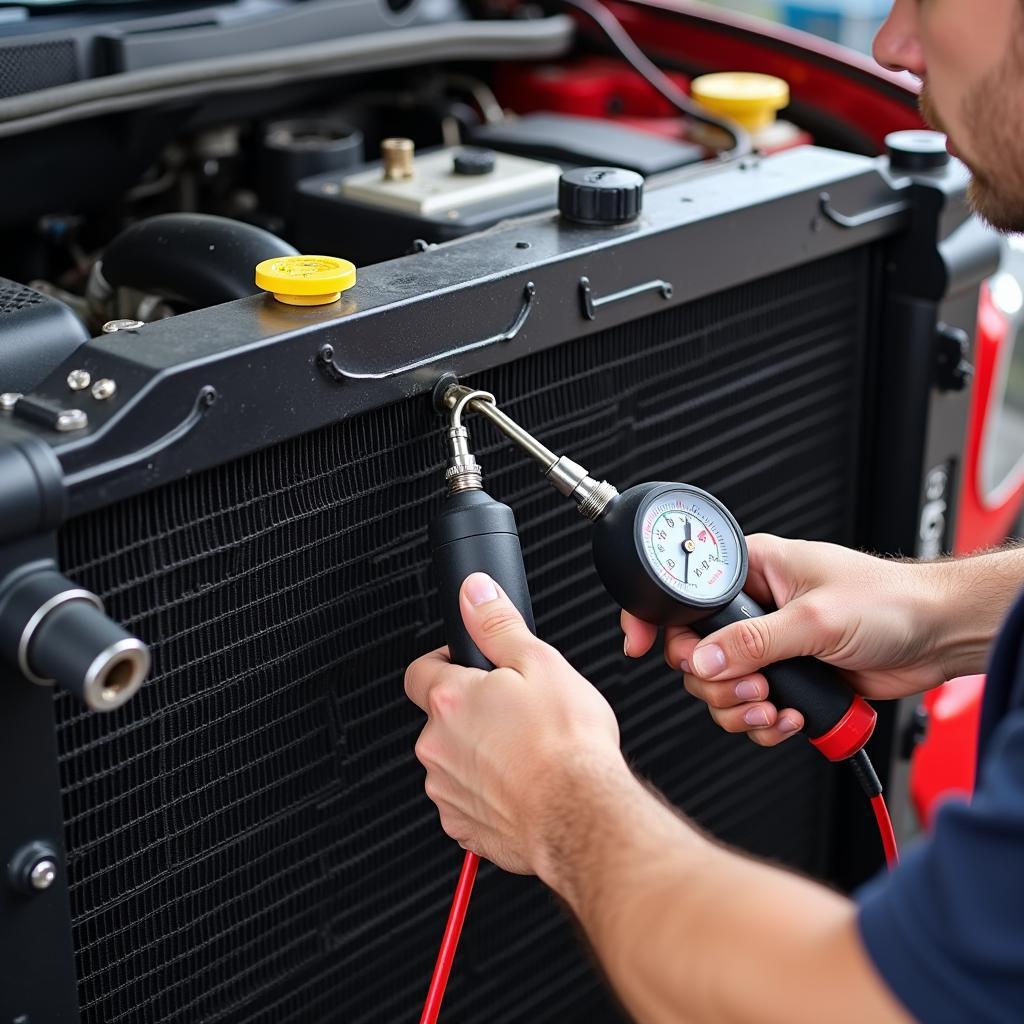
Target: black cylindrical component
[[475, 533], [195, 259], [57, 632], [299, 148], [600, 195], [474, 161], [815, 689], [32, 498], [914, 151]]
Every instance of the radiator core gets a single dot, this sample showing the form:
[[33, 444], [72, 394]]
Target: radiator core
[[248, 840]]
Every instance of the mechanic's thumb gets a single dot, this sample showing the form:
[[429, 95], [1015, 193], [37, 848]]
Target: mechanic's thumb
[[494, 622], [752, 644]]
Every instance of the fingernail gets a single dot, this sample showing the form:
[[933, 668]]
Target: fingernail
[[787, 725], [709, 660], [625, 646], [756, 716], [748, 690], [480, 588], [684, 665]]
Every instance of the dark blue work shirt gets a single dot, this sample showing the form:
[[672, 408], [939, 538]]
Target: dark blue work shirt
[[946, 929]]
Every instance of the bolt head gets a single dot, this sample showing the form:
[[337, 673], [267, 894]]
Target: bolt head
[[72, 419], [104, 388], [79, 380], [113, 326], [43, 875], [8, 400]]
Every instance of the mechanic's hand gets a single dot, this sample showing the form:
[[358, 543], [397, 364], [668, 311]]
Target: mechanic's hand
[[498, 745], [870, 617]]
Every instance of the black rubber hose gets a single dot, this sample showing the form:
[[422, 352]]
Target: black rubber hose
[[191, 258]]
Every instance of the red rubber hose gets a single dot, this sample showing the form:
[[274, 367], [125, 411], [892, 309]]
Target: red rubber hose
[[892, 854], [450, 939]]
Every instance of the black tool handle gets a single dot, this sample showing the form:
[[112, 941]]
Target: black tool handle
[[836, 720], [475, 533]]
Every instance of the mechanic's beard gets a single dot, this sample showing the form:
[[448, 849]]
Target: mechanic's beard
[[996, 190]]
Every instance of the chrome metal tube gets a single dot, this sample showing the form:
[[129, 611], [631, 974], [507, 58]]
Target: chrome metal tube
[[565, 475]]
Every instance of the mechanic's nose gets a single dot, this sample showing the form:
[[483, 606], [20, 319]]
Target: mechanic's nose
[[897, 45]]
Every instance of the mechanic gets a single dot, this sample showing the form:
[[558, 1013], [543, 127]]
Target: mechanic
[[525, 767]]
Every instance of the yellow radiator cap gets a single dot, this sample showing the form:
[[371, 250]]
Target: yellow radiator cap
[[749, 99], [305, 280]]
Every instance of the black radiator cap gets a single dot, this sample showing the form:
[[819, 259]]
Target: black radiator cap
[[916, 150], [600, 195]]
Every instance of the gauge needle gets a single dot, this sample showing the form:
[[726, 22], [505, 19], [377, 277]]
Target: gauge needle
[[687, 548]]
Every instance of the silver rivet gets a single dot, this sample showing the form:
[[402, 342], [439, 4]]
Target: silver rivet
[[113, 326], [104, 388], [79, 380], [72, 419], [43, 874], [8, 400], [331, 188]]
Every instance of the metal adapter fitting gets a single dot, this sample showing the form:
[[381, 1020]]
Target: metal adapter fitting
[[463, 472], [56, 632], [567, 477]]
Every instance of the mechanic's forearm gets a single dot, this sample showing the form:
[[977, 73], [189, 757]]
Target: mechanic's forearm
[[688, 931], [969, 599]]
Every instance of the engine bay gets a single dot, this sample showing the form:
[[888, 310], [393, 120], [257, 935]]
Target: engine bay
[[125, 219]]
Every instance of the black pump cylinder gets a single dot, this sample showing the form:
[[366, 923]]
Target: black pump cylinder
[[475, 533]]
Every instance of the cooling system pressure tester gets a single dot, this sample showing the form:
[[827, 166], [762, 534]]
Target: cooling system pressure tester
[[669, 553]]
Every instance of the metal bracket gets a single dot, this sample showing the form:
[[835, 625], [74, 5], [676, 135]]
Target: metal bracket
[[858, 220], [339, 373], [204, 400], [591, 305]]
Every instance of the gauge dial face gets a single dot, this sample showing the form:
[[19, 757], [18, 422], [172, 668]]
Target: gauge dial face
[[690, 545]]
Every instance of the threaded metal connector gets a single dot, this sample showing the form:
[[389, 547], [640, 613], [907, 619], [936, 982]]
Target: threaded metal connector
[[592, 498]]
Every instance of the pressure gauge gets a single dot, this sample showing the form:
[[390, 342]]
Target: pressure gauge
[[670, 552], [691, 544]]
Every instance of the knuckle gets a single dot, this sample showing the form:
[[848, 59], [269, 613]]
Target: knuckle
[[500, 623], [432, 788], [721, 696], [442, 700], [751, 639], [424, 751], [729, 723]]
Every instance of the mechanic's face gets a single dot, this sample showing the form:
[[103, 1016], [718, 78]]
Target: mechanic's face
[[969, 55]]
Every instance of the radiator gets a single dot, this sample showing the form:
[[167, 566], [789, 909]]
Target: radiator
[[248, 840]]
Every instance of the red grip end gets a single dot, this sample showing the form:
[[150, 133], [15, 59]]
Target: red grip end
[[850, 733]]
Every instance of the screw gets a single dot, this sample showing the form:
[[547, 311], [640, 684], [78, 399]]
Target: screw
[[71, 419], [104, 388], [79, 380], [8, 400], [43, 874], [113, 326]]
